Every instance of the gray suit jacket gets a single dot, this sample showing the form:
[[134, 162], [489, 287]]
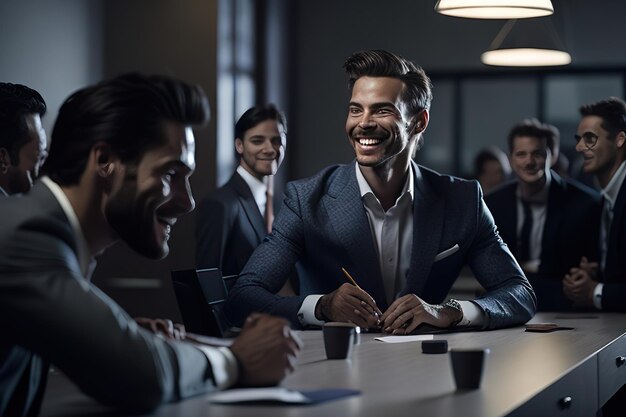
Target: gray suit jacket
[[323, 225], [49, 313]]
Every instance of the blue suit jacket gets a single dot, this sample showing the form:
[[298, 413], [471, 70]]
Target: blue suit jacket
[[323, 225], [570, 232], [229, 226], [614, 277]]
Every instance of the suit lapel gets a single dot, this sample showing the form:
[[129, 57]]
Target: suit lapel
[[349, 221], [428, 213], [250, 208], [552, 224], [612, 257]]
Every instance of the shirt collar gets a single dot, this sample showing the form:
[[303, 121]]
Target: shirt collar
[[257, 187], [3, 193], [364, 187], [84, 258], [612, 189]]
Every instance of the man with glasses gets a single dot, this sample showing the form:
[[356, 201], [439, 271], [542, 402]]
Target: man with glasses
[[601, 139], [548, 222]]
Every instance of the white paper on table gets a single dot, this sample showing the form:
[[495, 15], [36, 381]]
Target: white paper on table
[[259, 394], [403, 339]]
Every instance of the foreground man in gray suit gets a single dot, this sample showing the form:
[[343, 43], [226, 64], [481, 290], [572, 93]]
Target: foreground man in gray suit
[[118, 169], [401, 230]]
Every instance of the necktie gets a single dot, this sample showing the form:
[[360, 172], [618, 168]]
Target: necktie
[[525, 235], [269, 204], [607, 214]]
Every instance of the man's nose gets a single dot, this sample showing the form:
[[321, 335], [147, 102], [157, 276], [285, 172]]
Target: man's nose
[[182, 200], [366, 121]]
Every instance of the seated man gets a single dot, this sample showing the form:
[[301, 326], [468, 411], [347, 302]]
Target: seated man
[[22, 138], [401, 230], [601, 138], [119, 165], [548, 222]]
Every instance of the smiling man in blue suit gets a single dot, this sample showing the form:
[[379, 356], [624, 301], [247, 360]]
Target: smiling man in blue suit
[[403, 231]]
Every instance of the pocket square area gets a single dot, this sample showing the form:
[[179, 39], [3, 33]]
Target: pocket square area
[[447, 253]]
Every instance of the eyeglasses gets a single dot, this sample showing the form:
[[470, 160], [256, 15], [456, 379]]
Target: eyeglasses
[[589, 139]]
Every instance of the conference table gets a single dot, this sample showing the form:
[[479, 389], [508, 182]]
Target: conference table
[[569, 372]]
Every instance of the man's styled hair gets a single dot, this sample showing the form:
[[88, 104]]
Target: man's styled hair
[[491, 153], [257, 114], [127, 113], [535, 129], [613, 114], [16, 102], [379, 63]]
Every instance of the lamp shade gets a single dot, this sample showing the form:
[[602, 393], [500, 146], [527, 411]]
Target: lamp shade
[[527, 43], [495, 9]]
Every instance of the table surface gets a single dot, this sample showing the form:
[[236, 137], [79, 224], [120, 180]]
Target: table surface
[[398, 379]]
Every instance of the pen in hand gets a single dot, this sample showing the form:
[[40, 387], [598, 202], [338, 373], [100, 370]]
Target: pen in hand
[[353, 282]]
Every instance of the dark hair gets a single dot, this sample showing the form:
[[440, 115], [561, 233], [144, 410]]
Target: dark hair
[[491, 153], [126, 112], [612, 111], [381, 63], [534, 128], [257, 114], [16, 102]]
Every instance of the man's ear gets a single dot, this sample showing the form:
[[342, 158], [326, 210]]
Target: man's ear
[[420, 122], [620, 139], [104, 160], [239, 146], [5, 160]]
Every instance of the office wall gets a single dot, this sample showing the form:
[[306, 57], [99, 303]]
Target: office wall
[[52, 46], [326, 32]]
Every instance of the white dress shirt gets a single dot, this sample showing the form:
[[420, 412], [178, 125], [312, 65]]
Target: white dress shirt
[[257, 187], [539, 210]]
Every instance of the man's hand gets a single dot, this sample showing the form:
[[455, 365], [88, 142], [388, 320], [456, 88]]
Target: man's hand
[[578, 286], [163, 327], [590, 267], [266, 349], [349, 304], [409, 311]]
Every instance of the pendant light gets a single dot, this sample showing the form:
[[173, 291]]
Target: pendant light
[[495, 9], [527, 43]]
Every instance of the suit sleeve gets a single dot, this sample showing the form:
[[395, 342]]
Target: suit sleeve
[[613, 296], [510, 299], [47, 307], [213, 224], [269, 267]]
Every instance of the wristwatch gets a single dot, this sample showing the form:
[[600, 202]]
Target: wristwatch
[[455, 305]]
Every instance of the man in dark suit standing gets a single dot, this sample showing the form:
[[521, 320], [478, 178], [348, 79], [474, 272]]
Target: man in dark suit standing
[[23, 143], [601, 139], [548, 222], [233, 220], [119, 167], [401, 230]]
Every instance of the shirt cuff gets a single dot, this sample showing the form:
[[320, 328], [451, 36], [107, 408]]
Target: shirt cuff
[[597, 296], [224, 365], [306, 314], [472, 315]]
